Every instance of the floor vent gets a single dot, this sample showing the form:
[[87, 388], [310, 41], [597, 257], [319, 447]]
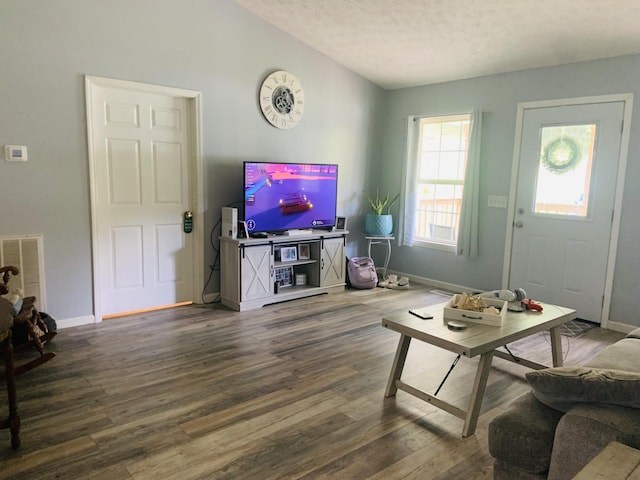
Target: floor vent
[[25, 253]]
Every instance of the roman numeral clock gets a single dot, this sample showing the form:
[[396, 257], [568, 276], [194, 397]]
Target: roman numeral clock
[[282, 99]]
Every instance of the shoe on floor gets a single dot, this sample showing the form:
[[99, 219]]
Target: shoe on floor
[[397, 286], [394, 283]]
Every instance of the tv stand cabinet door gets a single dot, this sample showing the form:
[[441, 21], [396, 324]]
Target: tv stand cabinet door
[[256, 272], [332, 262]]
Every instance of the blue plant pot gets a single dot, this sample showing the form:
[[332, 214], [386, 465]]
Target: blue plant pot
[[378, 225]]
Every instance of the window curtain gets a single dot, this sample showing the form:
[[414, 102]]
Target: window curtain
[[468, 233], [409, 197], [467, 244]]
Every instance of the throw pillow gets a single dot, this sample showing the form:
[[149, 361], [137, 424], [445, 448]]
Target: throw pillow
[[562, 388]]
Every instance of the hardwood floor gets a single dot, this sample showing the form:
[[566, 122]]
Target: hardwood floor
[[293, 390]]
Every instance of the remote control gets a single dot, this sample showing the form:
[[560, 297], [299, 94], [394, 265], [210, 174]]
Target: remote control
[[423, 314]]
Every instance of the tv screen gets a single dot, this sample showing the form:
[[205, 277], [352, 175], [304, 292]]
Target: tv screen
[[288, 196]]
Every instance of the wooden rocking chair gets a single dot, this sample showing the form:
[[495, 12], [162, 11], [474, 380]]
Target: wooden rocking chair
[[38, 333]]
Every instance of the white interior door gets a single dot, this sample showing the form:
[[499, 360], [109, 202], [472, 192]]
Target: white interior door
[[141, 188], [564, 206]]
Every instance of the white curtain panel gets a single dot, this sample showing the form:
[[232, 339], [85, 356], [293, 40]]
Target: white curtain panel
[[468, 234], [409, 197]]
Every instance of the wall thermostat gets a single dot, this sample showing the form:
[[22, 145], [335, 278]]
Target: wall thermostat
[[15, 153]]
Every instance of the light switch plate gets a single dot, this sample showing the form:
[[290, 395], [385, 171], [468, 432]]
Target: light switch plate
[[15, 153], [498, 201]]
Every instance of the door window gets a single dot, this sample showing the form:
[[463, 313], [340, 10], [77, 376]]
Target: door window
[[564, 170]]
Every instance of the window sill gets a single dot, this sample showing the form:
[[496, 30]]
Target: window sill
[[434, 245]]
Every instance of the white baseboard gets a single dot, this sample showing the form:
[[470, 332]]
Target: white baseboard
[[90, 319], [76, 322], [620, 327], [450, 287]]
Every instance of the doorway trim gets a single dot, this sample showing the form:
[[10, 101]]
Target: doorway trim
[[627, 99], [194, 107]]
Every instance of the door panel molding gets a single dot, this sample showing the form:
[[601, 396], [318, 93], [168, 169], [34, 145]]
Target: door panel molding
[[627, 100]]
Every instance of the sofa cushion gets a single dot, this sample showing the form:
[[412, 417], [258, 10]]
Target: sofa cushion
[[622, 355], [562, 388], [522, 436]]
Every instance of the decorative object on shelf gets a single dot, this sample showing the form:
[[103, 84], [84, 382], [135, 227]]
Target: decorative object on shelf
[[288, 254], [378, 222], [301, 279], [341, 224], [242, 230], [284, 276], [303, 251], [561, 155], [282, 99]]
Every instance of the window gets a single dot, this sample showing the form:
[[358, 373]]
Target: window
[[441, 160], [564, 170]]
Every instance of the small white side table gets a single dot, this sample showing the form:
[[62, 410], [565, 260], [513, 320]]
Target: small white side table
[[375, 240]]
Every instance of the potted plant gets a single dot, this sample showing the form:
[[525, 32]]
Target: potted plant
[[379, 223]]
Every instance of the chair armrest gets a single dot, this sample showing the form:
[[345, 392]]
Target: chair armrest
[[585, 430]]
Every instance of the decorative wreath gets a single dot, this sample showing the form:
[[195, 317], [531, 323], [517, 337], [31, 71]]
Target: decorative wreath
[[561, 155]]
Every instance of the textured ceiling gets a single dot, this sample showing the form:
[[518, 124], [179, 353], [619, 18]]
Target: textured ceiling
[[403, 43]]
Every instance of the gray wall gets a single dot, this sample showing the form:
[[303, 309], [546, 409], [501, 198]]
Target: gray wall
[[216, 47], [212, 46], [498, 96]]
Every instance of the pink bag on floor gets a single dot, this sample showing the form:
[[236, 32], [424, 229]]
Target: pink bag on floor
[[362, 272]]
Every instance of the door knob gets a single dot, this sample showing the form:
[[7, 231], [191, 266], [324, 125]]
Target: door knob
[[518, 224]]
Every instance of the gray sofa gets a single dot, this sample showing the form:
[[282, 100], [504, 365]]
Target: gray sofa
[[570, 415]]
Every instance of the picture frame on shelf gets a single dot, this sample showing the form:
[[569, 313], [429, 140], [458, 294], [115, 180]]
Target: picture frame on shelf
[[288, 254], [341, 224], [284, 276], [242, 230], [303, 251]]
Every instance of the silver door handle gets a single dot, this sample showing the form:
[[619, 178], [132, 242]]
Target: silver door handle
[[518, 224]]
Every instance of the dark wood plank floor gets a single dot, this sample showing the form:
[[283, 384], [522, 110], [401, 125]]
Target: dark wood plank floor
[[293, 390]]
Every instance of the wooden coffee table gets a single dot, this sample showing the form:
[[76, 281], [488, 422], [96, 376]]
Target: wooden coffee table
[[615, 462], [475, 340]]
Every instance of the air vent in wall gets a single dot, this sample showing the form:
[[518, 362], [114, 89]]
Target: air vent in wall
[[25, 253]]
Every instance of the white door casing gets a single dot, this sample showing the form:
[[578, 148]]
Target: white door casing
[[144, 157], [565, 259]]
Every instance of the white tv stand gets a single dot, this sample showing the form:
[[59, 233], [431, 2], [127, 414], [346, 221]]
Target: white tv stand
[[255, 272]]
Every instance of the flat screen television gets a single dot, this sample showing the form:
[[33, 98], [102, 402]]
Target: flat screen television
[[289, 196]]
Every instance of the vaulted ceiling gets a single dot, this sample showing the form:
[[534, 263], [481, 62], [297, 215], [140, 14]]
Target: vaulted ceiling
[[403, 43]]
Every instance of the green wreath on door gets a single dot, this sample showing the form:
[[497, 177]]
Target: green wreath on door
[[561, 155]]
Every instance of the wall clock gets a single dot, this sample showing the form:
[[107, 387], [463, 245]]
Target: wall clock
[[282, 99]]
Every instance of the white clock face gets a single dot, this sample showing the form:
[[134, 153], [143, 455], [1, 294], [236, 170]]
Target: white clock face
[[282, 99]]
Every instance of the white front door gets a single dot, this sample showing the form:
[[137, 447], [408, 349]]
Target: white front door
[[141, 168], [566, 187]]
